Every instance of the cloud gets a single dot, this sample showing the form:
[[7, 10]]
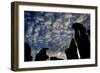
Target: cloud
[[37, 29], [47, 23], [30, 30], [39, 18], [56, 31], [48, 35], [81, 18], [66, 23], [49, 14], [67, 16], [59, 20]]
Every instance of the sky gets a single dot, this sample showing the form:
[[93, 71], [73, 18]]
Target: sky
[[51, 30]]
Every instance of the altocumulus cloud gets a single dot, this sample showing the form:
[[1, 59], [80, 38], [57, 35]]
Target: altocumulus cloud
[[52, 30]]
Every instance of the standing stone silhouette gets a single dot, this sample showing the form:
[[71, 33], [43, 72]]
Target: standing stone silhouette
[[82, 40], [71, 52], [27, 53], [42, 56], [88, 31]]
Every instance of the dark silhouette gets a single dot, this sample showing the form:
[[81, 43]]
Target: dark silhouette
[[71, 52], [88, 32], [42, 56], [27, 53], [82, 40], [55, 58]]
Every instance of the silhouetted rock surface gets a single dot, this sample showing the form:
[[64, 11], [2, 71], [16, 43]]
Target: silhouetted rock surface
[[88, 32], [27, 53], [55, 58], [42, 56], [82, 40], [71, 52]]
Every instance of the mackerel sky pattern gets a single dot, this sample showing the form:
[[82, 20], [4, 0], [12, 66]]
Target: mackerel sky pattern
[[51, 29]]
